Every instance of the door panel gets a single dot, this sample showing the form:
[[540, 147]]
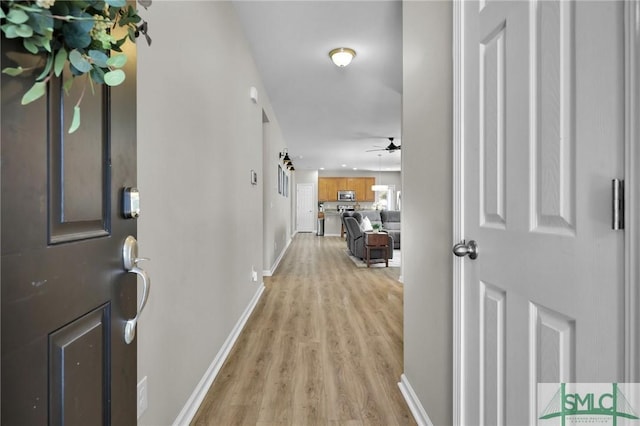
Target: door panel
[[493, 176], [305, 207], [551, 101], [79, 371], [493, 327], [79, 182], [65, 295], [543, 138]]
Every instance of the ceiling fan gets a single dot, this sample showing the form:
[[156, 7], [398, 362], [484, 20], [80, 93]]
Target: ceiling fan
[[391, 147]]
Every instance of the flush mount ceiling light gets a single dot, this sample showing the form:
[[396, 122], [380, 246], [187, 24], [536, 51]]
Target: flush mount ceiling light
[[342, 56]]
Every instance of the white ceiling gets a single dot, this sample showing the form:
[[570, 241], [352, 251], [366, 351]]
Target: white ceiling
[[331, 116]]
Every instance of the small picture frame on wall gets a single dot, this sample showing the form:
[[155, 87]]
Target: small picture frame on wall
[[286, 184], [254, 177]]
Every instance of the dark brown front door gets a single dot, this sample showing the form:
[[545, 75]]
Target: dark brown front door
[[65, 295]]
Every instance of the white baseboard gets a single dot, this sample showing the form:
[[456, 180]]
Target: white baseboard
[[418, 411], [193, 403], [270, 272]]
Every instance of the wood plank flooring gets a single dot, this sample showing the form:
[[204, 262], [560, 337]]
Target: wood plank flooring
[[322, 347]]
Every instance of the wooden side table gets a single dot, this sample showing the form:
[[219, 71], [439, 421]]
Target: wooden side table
[[376, 240]]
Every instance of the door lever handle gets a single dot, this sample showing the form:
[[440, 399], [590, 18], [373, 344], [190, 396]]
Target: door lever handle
[[130, 260], [466, 249], [130, 326]]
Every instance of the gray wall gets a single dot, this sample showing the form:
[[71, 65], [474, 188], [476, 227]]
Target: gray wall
[[427, 203], [202, 220], [276, 207]]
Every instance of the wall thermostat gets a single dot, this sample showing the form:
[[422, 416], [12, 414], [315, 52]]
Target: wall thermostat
[[131, 203]]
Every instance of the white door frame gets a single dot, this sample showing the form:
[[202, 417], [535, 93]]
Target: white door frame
[[632, 197], [632, 189]]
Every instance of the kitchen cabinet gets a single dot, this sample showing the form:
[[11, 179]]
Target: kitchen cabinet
[[328, 187], [369, 194], [357, 185], [327, 190]]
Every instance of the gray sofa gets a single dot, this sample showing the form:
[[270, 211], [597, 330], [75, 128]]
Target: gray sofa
[[355, 234], [391, 224]]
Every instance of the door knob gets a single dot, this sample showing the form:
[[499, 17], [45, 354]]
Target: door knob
[[463, 249], [130, 259]]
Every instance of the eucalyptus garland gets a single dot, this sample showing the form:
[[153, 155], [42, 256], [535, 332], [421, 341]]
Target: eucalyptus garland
[[76, 33]]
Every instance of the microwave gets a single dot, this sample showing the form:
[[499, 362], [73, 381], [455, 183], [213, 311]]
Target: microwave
[[346, 195]]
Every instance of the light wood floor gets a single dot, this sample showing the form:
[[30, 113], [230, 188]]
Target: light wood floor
[[322, 347]]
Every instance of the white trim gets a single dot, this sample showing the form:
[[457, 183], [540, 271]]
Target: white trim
[[270, 272], [632, 195], [418, 411], [197, 396], [458, 394]]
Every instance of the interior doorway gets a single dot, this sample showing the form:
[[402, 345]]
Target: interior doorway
[[305, 217]]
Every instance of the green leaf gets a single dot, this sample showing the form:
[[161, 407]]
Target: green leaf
[[67, 85], [79, 62], [30, 46], [42, 22], [99, 58], [60, 8], [75, 121], [43, 41], [13, 71], [74, 71], [10, 30], [116, 3], [61, 59], [117, 61], [75, 37], [2, 14], [114, 78], [47, 68], [27, 8], [17, 16], [24, 31], [97, 75], [99, 5], [36, 92], [76, 33], [86, 21]]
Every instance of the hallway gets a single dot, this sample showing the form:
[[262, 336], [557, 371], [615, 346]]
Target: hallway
[[322, 347]]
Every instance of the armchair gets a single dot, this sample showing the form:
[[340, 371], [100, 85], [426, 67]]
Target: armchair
[[355, 240]]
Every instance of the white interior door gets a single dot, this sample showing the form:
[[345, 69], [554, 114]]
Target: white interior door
[[543, 109], [305, 209]]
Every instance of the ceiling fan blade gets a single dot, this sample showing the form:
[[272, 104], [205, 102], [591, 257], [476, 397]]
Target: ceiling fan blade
[[372, 150]]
